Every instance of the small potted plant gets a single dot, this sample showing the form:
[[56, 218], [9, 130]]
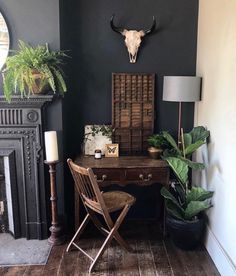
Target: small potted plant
[[32, 70], [184, 203], [157, 143]]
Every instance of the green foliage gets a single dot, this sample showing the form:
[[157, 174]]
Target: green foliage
[[171, 140], [194, 208], [198, 194], [158, 141], [33, 68], [179, 167], [188, 208], [183, 202], [106, 130]]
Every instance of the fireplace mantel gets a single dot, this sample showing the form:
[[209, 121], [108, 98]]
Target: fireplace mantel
[[21, 131]]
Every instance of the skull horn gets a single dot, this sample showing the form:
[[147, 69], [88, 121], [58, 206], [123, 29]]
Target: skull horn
[[115, 29], [149, 31]]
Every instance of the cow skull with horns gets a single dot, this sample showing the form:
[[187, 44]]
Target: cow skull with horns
[[133, 38]]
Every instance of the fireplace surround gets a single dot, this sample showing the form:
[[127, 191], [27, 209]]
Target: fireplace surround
[[22, 124]]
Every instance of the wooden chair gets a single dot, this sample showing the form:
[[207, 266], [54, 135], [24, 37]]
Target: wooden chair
[[96, 202]]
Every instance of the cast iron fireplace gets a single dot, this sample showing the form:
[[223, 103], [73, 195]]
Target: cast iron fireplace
[[21, 150]]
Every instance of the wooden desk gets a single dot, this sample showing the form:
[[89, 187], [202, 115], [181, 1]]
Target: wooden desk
[[124, 170]]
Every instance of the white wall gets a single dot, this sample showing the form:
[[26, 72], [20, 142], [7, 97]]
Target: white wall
[[216, 63]]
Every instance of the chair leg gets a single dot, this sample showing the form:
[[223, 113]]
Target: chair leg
[[122, 242], [117, 236], [97, 223], [110, 236], [79, 231]]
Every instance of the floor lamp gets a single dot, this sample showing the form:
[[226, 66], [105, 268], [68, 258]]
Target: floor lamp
[[181, 89]]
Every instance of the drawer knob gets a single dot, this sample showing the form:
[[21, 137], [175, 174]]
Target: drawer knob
[[141, 176], [103, 178], [149, 177]]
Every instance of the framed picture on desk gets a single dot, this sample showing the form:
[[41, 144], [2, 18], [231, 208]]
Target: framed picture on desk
[[112, 150]]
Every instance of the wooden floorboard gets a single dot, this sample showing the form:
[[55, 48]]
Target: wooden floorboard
[[153, 256]]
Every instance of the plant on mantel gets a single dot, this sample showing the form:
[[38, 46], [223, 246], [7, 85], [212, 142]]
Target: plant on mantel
[[185, 203], [33, 70]]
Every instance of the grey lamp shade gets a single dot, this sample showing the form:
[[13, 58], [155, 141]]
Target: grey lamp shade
[[181, 88]]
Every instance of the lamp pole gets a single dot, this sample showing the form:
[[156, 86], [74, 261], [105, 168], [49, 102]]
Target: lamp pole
[[179, 124]]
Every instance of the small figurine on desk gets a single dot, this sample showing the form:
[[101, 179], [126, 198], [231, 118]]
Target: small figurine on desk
[[98, 154]]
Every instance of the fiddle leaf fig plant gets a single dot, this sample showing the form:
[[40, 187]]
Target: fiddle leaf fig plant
[[184, 202], [190, 143]]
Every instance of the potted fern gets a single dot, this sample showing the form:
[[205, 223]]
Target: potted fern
[[32, 70], [185, 204], [157, 143]]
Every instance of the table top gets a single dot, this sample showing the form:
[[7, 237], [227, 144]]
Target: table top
[[120, 162]]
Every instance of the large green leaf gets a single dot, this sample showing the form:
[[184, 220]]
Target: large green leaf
[[173, 210], [194, 208], [198, 194], [193, 165], [171, 140], [179, 189], [179, 167], [187, 139], [193, 147], [168, 195], [199, 133], [170, 153]]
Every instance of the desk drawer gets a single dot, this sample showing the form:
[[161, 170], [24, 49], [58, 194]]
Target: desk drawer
[[147, 175], [111, 175], [141, 176]]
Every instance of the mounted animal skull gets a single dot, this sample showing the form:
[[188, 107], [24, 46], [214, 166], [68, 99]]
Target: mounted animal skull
[[133, 38]]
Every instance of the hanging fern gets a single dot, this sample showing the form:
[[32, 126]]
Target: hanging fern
[[31, 69]]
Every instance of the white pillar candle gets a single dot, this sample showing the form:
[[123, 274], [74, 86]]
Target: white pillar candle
[[51, 146]]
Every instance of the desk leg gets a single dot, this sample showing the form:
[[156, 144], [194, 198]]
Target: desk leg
[[164, 221], [77, 217]]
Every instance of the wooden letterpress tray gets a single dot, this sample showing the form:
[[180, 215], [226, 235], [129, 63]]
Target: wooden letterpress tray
[[132, 111]]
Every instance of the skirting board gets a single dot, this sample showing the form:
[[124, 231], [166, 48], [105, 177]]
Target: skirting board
[[224, 264]]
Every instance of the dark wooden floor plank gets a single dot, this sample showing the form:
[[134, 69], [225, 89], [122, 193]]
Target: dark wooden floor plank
[[153, 256], [67, 265], [54, 261], [122, 262], [163, 267], [205, 260], [15, 271], [177, 265], [35, 270], [191, 262], [114, 259], [102, 266], [145, 258]]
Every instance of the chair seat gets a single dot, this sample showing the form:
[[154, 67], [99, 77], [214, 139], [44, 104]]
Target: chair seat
[[116, 200]]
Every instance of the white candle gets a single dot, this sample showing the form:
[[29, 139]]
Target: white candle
[[51, 146]]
